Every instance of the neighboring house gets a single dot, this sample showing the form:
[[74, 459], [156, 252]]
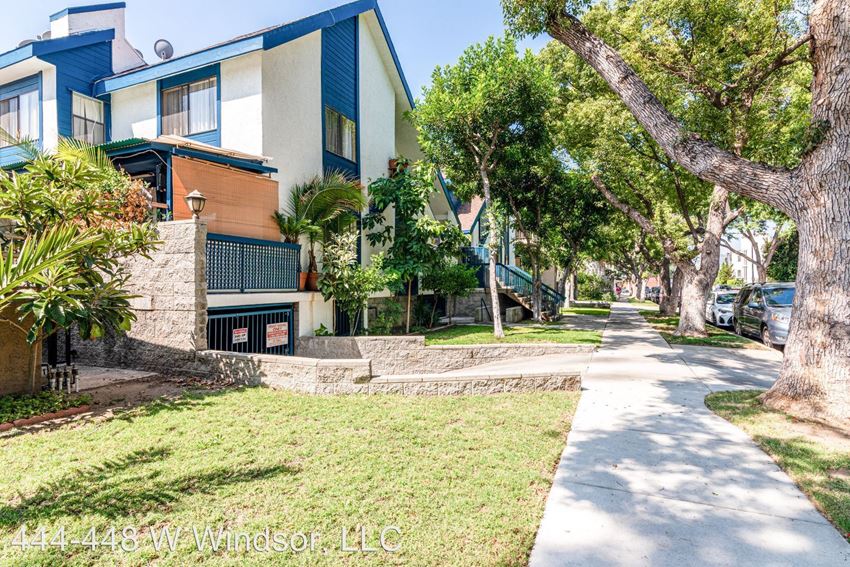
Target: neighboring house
[[742, 267], [241, 121], [514, 283]]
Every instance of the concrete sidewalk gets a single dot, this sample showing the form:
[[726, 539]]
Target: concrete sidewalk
[[650, 476]]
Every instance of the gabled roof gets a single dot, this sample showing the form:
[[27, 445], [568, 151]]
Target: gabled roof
[[468, 211], [47, 46], [260, 40]]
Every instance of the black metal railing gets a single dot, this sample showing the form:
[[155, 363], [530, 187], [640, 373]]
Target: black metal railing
[[237, 264]]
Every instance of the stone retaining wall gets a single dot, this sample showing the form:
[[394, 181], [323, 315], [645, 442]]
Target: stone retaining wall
[[409, 355], [171, 310], [296, 373], [354, 376]]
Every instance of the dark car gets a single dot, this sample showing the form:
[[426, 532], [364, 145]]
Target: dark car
[[764, 310]]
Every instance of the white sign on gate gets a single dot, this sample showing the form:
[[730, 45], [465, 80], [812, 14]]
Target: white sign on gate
[[277, 334], [240, 335]]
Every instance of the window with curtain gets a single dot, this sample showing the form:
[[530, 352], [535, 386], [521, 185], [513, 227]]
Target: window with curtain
[[340, 135], [88, 119], [190, 109], [19, 118]]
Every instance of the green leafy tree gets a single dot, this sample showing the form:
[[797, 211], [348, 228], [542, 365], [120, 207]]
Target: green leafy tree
[[814, 193], [765, 229], [450, 281], [417, 243], [574, 229], [473, 113], [726, 276], [348, 283], [74, 218], [701, 65], [783, 268]]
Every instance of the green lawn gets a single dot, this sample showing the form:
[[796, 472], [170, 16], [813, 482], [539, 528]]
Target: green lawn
[[716, 337], [483, 334], [464, 478], [592, 311], [820, 465], [642, 303]]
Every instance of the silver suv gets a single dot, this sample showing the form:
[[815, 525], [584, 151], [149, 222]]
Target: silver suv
[[764, 310]]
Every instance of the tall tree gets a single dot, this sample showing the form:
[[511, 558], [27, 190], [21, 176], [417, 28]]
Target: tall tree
[[574, 227], [815, 194], [418, 244], [473, 112], [697, 57], [764, 228]]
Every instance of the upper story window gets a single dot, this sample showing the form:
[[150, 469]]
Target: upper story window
[[340, 135], [19, 116], [190, 108], [88, 119]]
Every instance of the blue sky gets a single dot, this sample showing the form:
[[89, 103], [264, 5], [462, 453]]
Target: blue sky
[[426, 33]]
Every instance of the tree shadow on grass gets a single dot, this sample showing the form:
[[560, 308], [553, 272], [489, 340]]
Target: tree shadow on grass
[[123, 486]]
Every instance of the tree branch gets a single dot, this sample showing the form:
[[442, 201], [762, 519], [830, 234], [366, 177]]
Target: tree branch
[[704, 159], [666, 243]]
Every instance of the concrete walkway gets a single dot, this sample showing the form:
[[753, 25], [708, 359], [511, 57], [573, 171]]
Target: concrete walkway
[[650, 476]]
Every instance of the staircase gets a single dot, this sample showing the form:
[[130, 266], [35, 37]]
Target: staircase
[[515, 283]]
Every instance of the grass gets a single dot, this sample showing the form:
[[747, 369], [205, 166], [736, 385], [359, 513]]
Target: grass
[[25, 406], [819, 464], [483, 334], [716, 337], [641, 302], [464, 478], [591, 311]]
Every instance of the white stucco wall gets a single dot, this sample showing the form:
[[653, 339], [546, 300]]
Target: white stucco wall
[[49, 109], [377, 116], [242, 104], [134, 112], [292, 110]]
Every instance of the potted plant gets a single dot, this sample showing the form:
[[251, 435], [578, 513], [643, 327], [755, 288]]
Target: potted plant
[[292, 227], [316, 209]]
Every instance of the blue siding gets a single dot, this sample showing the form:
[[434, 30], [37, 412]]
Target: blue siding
[[76, 70], [340, 84]]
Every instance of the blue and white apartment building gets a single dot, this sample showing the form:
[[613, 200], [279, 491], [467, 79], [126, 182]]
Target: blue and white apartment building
[[241, 121]]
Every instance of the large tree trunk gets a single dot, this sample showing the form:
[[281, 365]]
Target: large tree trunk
[[815, 375], [671, 307], [498, 331], [697, 282], [665, 287]]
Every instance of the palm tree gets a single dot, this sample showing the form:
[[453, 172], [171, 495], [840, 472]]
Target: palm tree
[[318, 208]]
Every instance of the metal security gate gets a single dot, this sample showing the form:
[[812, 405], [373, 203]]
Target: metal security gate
[[262, 329]]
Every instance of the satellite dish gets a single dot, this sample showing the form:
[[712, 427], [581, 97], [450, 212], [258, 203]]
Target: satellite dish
[[26, 42], [163, 49], [45, 35]]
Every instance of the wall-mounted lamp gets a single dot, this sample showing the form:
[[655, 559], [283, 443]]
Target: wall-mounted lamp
[[196, 202]]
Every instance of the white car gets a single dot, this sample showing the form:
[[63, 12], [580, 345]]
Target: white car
[[718, 310]]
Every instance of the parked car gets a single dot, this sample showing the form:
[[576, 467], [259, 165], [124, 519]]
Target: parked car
[[718, 309], [764, 310], [653, 294]]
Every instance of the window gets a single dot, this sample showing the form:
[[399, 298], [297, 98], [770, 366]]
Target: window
[[19, 118], [191, 108], [88, 120], [340, 135]]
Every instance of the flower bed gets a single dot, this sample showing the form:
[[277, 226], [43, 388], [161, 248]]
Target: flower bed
[[21, 410]]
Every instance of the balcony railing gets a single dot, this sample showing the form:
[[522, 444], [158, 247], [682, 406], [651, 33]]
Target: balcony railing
[[237, 264]]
